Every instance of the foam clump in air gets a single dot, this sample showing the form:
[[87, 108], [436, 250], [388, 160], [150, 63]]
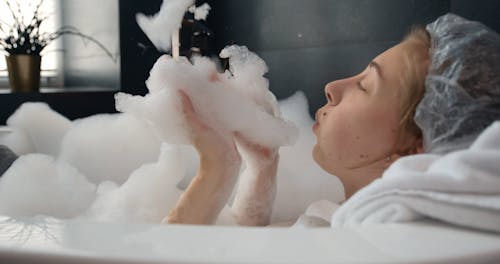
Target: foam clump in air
[[108, 147], [146, 196], [232, 101], [160, 27], [36, 184], [30, 130], [201, 12]]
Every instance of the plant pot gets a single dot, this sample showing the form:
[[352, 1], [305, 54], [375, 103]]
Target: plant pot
[[24, 72]]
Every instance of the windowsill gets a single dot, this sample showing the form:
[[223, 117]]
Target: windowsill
[[67, 90]]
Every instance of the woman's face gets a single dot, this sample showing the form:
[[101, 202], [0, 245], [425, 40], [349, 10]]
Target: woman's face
[[358, 126]]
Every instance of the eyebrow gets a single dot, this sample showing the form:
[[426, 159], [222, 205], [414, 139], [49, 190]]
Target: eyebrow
[[377, 68]]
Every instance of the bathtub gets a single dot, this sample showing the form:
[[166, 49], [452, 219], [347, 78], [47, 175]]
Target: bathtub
[[48, 240]]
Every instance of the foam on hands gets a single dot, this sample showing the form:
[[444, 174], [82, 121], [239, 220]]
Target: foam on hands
[[238, 100]]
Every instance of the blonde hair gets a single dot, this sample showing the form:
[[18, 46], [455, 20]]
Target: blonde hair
[[416, 45]]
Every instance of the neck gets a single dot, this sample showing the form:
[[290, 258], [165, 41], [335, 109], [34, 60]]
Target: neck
[[355, 179]]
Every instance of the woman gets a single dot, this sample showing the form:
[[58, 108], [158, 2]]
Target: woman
[[366, 124]]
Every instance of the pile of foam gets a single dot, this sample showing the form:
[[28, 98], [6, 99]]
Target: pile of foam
[[147, 195], [93, 144], [111, 168], [236, 100], [37, 184], [36, 128]]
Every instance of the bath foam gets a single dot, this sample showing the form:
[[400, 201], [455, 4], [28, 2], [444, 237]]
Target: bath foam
[[37, 184], [300, 181], [160, 27], [238, 100], [148, 194], [116, 141], [201, 12], [108, 147], [31, 132], [18, 141]]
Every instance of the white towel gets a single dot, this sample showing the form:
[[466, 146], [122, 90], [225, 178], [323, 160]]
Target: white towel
[[461, 188]]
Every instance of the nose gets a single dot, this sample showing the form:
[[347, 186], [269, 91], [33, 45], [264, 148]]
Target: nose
[[333, 92]]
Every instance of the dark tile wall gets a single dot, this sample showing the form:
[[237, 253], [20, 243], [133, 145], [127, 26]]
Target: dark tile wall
[[486, 11], [137, 53], [306, 43]]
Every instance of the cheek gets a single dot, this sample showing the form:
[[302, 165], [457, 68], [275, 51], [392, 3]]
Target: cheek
[[375, 136], [333, 137], [361, 136]]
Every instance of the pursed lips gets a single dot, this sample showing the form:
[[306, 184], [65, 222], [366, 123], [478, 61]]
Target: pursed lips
[[316, 117]]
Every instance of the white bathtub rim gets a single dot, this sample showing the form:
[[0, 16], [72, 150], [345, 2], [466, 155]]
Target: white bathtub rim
[[91, 242]]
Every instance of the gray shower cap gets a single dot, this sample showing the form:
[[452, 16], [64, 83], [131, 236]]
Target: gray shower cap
[[462, 88]]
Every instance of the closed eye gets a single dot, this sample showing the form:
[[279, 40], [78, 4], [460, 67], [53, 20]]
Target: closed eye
[[361, 87]]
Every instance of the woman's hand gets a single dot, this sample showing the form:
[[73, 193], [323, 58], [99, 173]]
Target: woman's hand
[[220, 163], [215, 148], [255, 155], [254, 199]]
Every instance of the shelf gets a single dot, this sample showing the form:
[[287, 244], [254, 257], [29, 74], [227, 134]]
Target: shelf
[[48, 90], [72, 103]]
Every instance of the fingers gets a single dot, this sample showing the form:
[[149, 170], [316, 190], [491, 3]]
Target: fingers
[[214, 77], [187, 105], [189, 112], [256, 148]]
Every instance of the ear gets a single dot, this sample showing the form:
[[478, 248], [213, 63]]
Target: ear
[[391, 159], [412, 146], [420, 146], [417, 146]]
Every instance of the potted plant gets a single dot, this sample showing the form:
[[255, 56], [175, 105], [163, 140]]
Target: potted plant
[[23, 41]]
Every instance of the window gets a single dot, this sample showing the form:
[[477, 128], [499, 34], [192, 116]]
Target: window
[[51, 56]]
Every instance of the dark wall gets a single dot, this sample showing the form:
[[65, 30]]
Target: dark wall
[[138, 54], [309, 43], [306, 43], [486, 11]]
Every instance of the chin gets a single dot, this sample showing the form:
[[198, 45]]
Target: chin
[[322, 162], [314, 153], [317, 157]]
